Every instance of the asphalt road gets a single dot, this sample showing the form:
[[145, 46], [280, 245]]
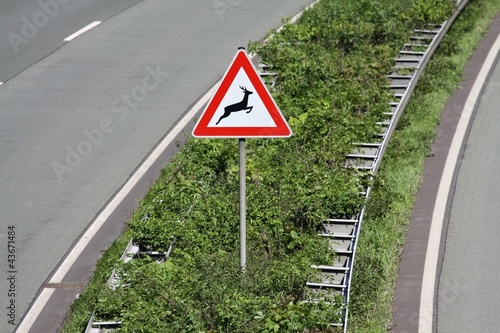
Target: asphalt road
[[469, 291], [77, 118], [30, 30], [449, 274]]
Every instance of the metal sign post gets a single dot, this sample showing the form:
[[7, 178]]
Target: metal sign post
[[243, 207]]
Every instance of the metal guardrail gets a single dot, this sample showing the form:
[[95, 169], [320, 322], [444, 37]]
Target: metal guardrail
[[132, 251], [342, 234], [101, 326]]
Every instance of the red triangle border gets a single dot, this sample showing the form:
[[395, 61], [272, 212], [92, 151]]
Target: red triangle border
[[282, 128]]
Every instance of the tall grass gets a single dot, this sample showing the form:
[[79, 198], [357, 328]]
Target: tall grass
[[388, 212]]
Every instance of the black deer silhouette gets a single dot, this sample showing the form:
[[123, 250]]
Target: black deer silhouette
[[240, 106]]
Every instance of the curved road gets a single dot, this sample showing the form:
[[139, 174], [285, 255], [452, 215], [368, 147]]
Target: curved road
[[77, 118], [469, 284], [449, 272]]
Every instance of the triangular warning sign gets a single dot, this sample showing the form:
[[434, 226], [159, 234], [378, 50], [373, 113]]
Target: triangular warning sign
[[242, 106]]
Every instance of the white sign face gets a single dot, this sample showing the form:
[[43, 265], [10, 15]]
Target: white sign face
[[241, 95]]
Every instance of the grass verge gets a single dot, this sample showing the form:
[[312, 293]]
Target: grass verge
[[388, 212]]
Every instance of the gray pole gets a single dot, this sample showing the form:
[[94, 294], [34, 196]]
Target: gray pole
[[243, 207]]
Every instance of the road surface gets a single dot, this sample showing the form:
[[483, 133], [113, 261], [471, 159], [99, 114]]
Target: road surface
[[448, 278], [78, 117], [469, 292]]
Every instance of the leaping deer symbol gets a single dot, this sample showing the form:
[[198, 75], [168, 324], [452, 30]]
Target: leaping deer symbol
[[240, 106]]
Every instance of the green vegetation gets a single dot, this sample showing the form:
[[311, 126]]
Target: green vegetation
[[388, 211], [331, 86]]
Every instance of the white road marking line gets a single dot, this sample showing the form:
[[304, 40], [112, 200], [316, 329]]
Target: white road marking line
[[426, 315], [58, 276], [68, 262], [35, 310], [1, 83], [83, 30]]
